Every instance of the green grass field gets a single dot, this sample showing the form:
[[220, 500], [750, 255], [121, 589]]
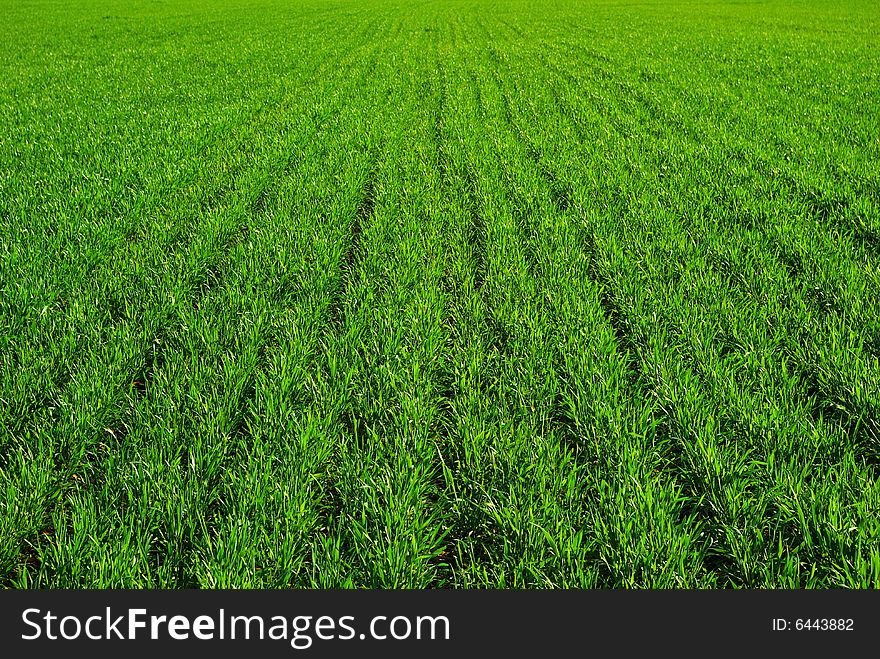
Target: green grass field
[[455, 293]]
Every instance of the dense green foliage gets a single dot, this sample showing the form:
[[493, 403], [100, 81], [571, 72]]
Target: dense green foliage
[[454, 293]]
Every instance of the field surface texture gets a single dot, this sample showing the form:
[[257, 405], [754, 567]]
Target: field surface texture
[[457, 293]]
